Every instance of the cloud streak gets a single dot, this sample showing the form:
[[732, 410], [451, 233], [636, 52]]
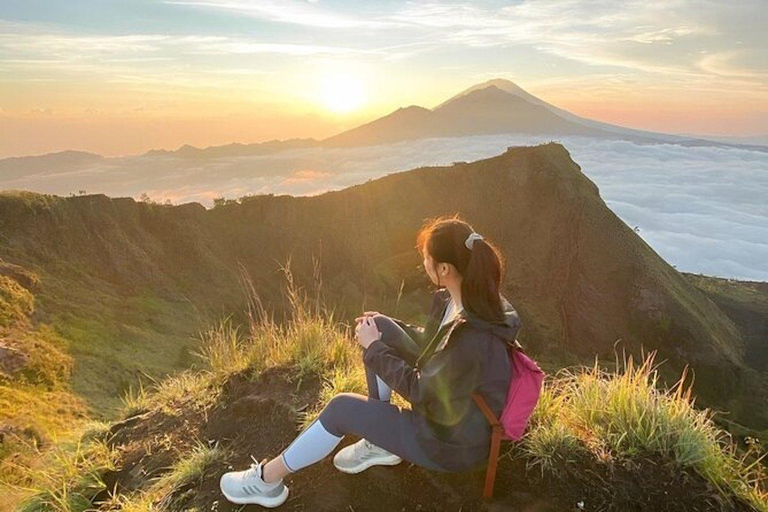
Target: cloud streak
[[287, 11], [644, 36]]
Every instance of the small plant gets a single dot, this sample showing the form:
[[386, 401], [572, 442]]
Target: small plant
[[310, 340], [185, 471], [69, 477], [165, 491], [224, 349], [135, 400]]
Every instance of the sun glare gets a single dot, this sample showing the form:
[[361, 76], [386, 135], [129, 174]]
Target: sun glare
[[341, 93]]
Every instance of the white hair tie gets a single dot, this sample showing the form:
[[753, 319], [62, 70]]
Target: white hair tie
[[470, 241]]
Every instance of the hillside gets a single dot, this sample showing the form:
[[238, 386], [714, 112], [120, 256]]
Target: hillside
[[597, 440], [746, 303], [142, 278], [118, 280], [121, 288]]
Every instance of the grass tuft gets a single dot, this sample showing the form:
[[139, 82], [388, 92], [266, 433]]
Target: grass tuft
[[167, 491], [69, 476], [624, 414]]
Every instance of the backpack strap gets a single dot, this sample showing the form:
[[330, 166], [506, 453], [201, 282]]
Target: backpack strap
[[480, 401], [496, 431], [493, 456], [487, 412]]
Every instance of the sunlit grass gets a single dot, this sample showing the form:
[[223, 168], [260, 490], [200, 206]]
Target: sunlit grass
[[191, 466], [339, 380], [197, 388], [159, 495], [310, 341], [623, 414], [69, 475], [135, 399], [584, 411]]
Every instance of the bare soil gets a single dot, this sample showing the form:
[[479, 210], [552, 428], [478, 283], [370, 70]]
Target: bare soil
[[259, 418]]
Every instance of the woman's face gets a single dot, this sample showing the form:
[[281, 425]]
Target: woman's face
[[428, 267]]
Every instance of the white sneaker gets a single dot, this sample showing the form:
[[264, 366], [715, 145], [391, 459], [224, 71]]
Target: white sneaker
[[362, 455], [243, 487]]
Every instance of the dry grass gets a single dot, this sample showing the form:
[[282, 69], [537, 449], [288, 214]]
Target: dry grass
[[623, 414], [582, 411], [69, 476]]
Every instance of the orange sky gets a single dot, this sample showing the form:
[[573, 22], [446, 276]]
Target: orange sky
[[119, 78]]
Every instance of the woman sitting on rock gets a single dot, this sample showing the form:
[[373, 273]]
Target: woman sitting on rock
[[436, 368]]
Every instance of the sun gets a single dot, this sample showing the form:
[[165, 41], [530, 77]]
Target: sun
[[341, 93]]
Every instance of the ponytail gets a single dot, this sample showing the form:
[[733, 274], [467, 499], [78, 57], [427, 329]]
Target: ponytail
[[447, 240]]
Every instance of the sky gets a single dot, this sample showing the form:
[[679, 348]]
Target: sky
[[120, 77]]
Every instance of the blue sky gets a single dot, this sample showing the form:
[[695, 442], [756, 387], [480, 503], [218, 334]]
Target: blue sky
[[117, 77]]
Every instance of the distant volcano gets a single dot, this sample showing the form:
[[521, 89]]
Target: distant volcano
[[496, 106], [476, 112]]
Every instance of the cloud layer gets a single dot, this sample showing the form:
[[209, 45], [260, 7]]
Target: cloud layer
[[703, 209]]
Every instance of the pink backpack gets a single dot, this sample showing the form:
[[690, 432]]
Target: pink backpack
[[522, 396]]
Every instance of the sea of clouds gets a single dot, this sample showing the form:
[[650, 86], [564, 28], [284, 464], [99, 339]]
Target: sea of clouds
[[703, 209]]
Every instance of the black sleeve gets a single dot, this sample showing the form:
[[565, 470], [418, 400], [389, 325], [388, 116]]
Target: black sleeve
[[414, 331], [442, 388]]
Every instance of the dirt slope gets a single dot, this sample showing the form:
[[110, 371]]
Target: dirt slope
[[258, 418]]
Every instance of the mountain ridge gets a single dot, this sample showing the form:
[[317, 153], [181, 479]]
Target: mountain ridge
[[580, 277]]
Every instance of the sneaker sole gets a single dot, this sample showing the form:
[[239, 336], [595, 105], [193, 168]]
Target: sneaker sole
[[260, 500], [389, 461]]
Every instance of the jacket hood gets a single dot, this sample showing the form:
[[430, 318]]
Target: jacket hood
[[506, 329]]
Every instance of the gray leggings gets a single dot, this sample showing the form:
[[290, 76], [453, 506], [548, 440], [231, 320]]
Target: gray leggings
[[371, 417]]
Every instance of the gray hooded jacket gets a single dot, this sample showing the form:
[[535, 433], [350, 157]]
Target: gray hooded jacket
[[464, 355]]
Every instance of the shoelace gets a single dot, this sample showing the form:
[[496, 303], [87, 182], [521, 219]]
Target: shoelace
[[368, 448], [252, 472]]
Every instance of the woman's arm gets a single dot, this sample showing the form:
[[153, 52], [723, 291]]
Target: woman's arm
[[439, 388], [414, 331], [434, 316]]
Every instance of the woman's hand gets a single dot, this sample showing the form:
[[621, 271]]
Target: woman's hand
[[367, 332], [367, 313]]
